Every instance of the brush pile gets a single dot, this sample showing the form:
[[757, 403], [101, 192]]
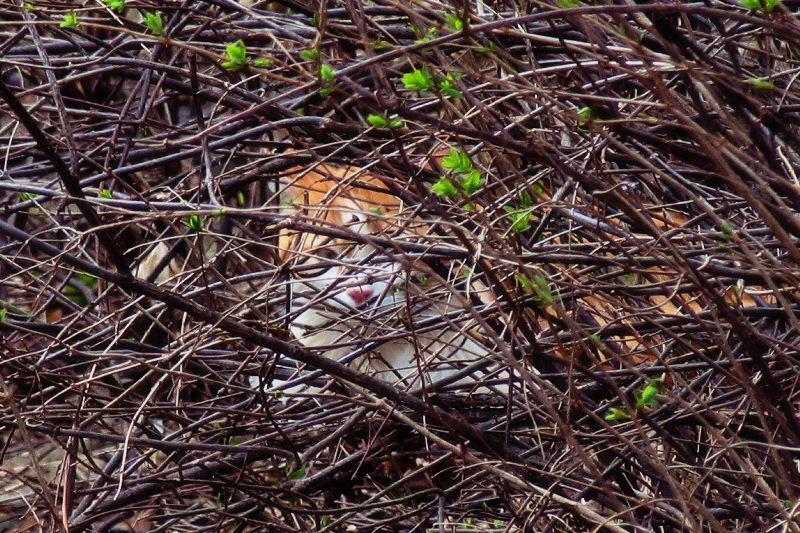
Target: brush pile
[[621, 177]]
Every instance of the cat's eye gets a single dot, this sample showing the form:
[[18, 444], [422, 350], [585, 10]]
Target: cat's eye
[[325, 254], [317, 263]]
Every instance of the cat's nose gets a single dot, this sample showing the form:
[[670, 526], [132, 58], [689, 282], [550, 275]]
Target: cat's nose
[[359, 295]]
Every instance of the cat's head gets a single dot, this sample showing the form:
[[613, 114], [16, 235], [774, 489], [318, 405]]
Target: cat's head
[[355, 292], [337, 271]]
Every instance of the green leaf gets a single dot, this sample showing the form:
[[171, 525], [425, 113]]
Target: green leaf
[[430, 35], [755, 5], [377, 121], [70, 21], [520, 220], [236, 54], [325, 91], [240, 200], [154, 22], [297, 474], [115, 5], [417, 80], [381, 45], [3, 313], [396, 123], [104, 193], [444, 187], [759, 83], [539, 287], [486, 49], [727, 232], [458, 160], [447, 88], [263, 62], [616, 414], [453, 22], [648, 396], [566, 4], [587, 116], [87, 279], [471, 181], [327, 73], [310, 54], [525, 199], [542, 293], [194, 222], [25, 196], [598, 341]]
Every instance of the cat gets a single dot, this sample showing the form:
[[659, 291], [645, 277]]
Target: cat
[[350, 296]]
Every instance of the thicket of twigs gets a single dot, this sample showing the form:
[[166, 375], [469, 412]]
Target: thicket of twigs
[[636, 217]]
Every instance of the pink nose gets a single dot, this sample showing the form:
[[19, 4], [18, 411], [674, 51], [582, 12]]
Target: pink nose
[[359, 295]]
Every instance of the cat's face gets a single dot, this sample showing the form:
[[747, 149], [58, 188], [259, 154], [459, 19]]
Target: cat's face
[[337, 273], [351, 296]]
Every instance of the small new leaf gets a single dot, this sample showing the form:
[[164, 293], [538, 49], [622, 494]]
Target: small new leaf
[[458, 160], [310, 54], [648, 396], [115, 5], [539, 287], [486, 49], [236, 55], [471, 181], [755, 5], [447, 88], [25, 196], [444, 187], [263, 62], [417, 80], [327, 73], [616, 414], [297, 474], [104, 193], [377, 121], [70, 21], [154, 22], [194, 222], [520, 220], [541, 292], [453, 22], [727, 232], [759, 83]]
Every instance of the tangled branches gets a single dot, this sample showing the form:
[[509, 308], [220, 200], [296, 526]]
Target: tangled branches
[[621, 180]]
